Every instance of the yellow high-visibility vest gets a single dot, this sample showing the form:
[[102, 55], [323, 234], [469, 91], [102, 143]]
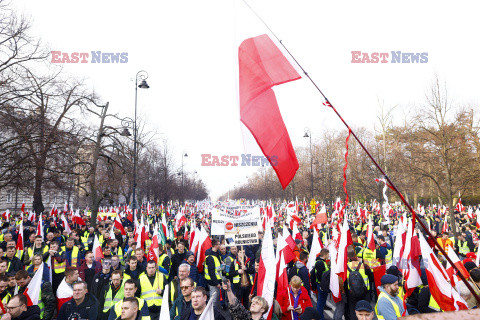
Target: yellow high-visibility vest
[[218, 271], [149, 293], [395, 306]]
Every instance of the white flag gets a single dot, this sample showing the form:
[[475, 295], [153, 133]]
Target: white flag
[[165, 310], [208, 311], [314, 250]]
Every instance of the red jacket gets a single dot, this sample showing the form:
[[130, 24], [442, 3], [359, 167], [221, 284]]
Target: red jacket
[[303, 302]]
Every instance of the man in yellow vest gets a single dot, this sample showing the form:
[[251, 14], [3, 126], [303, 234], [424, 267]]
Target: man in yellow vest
[[14, 264], [389, 305], [152, 284], [130, 287], [359, 282], [38, 247], [59, 264], [4, 294], [213, 270], [461, 245], [72, 253], [112, 293], [321, 266]]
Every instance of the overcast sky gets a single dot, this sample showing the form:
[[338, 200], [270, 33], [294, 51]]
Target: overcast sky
[[188, 48]]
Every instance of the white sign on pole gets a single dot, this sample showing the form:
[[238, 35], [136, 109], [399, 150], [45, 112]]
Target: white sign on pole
[[241, 232]]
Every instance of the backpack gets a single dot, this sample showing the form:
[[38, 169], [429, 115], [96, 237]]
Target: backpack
[[356, 284], [325, 282]]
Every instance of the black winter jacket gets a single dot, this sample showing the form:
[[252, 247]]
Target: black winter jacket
[[87, 310]]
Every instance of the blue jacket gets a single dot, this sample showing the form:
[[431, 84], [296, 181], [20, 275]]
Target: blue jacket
[[46, 272], [383, 250]]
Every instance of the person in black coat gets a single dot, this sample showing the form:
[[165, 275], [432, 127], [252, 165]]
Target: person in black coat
[[82, 306], [177, 259], [19, 311], [300, 269], [199, 303], [102, 278]]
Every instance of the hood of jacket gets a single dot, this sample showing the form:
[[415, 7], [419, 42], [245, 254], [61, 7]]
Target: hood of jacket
[[210, 252], [299, 265], [32, 313]]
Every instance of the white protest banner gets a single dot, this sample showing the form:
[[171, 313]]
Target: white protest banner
[[241, 232], [218, 223], [221, 216]]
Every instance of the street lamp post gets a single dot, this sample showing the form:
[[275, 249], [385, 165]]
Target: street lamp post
[[184, 154], [142, 76], [308, 134]]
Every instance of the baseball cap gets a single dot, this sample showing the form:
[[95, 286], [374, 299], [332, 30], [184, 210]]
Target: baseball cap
[[388, 279], [363, 305]]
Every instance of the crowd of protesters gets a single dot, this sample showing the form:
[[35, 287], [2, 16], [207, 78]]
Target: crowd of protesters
[[126, 283]]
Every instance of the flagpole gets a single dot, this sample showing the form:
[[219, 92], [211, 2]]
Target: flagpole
[[289, 300], [391, 185]]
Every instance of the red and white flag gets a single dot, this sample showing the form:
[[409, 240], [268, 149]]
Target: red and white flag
[[180, 220], [31, 216], [262, 66], [345, 241], [20, 237], [442, 291], [153, 251], [204, 243], [478, 219], [193, 238], [459, 207], [77, 218], [321, 217], [266, 276], [97, 249], [32, 292], [64, 293], [282, 282], [334, 279], [452, 273], [40, 226], [6, 215], [445, 224], [296, 233], [314, 250], [65, 224], [370, 239], [285, 247], [410, 271], [164, 225], [118, 224]]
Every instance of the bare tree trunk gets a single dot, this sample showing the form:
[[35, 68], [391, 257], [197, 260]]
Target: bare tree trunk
[[37, 193], [94, 195]]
